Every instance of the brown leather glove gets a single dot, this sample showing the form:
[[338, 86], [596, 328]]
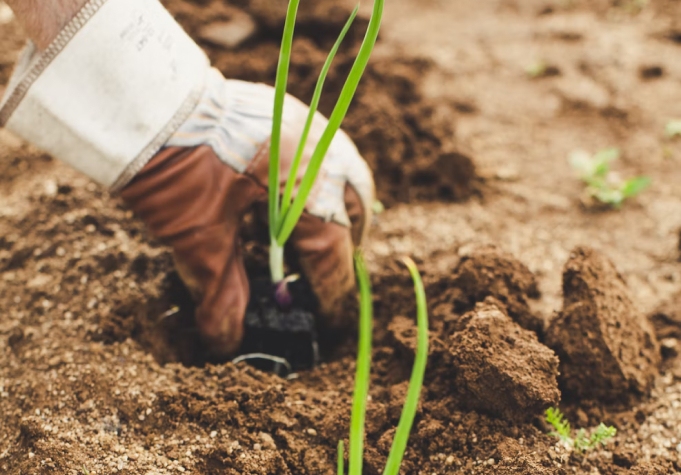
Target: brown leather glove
[[194, 202]]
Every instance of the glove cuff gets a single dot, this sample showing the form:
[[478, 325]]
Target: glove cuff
[[109, 91]]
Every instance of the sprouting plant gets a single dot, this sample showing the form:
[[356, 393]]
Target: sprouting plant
[[583, 441], [602, 183], [284, 212], [673, 129], [559, 423], [356, 452], [600, 436], [536, 69]]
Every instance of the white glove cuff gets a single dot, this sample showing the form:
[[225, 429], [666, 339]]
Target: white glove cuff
[[109, 91]]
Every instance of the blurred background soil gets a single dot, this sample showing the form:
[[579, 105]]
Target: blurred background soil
[[470, 152]]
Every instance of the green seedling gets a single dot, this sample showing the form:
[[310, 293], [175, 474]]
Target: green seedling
[[537, 69], [285, 212], [357, 419], [673, 129], [541, 69], [602, 184], [582, 442]]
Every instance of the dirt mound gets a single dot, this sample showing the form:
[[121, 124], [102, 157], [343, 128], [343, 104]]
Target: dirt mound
[[607, 349], [500, 368], [488, 271], [408, 140]]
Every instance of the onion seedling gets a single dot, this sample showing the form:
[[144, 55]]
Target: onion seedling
[[285, 212], [356, 452]]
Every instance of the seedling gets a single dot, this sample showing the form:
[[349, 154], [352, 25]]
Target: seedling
[[541, 69], [356, 453], [602, 184], [582, 442], [285, 212], [673, 129]]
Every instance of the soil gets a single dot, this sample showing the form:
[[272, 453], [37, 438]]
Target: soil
[[100, 371]]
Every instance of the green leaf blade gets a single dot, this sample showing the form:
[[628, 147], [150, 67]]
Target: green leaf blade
[[361, 393], [417, 375], [335, 120], [314, 105], [634, 186], [340, 463], [279, 96]]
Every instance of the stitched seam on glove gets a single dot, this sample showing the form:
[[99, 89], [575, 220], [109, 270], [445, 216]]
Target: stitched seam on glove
[[15, 96]]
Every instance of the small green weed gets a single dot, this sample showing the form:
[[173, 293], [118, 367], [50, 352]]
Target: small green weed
[[541, 69], [537, 69], [602, 183], [583, 441], [673, 129]]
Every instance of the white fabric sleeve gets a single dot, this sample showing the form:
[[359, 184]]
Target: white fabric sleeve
[[109, 91]]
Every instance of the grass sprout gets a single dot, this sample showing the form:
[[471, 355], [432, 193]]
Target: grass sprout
[[341, 460], [602, 184], [361, 393], [583, 441], [357, 419], [285, 213], [418, 371]]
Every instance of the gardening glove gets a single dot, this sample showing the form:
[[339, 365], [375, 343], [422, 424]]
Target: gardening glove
[[125, 96]]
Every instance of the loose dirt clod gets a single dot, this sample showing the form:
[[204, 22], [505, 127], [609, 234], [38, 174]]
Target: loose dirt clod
[[501, 368], [606, 347], [488, 271]]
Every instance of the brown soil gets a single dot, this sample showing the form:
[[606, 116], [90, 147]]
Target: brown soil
[[98, 371]]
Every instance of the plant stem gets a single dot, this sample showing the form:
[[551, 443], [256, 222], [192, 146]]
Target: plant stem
[[399, 446], [276, 256], [341, 461], [356, 453], [276, 261]]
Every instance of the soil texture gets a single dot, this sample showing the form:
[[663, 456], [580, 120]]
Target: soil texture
[[468, 113]]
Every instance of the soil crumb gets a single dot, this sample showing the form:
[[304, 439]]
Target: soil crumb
[[607, 348]]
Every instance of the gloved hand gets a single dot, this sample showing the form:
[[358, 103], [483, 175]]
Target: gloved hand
[[125, 96], [195, 192]]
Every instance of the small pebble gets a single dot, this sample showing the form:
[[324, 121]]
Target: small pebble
[[312, 432]]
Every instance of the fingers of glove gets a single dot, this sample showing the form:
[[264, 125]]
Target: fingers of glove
[[181, 189], [359, 216], [325, 254], [209, 261], [195, 204]]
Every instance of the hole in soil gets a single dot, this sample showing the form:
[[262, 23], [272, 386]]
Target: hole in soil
[[651, 72], [675, 36]]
